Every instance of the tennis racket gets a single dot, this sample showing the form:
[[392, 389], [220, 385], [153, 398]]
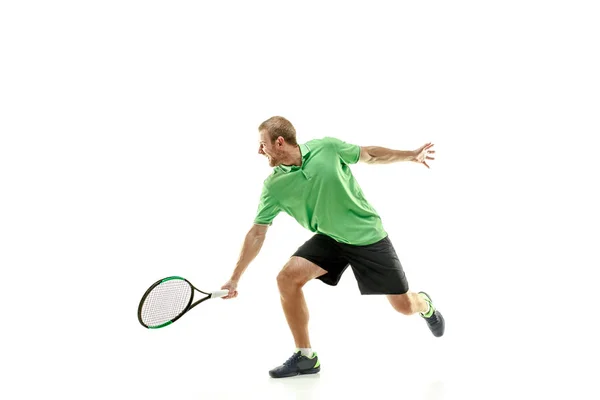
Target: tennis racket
[[168, 299]]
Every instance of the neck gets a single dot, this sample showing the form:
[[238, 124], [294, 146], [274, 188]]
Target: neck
[[294, 157]]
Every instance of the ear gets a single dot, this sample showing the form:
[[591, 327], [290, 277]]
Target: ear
[[280, 141]]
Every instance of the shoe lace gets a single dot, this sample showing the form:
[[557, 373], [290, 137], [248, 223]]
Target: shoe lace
[[292, 359], [433, 319]]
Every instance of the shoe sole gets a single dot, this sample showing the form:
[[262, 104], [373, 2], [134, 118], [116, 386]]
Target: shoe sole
[[309, 372]]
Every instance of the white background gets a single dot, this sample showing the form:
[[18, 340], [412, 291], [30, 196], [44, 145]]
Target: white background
[[128, 152]]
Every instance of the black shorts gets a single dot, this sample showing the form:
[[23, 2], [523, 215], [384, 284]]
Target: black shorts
[[376, 266]]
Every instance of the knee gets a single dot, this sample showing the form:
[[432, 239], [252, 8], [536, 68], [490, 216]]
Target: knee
[[287, 280], [403, 304], [282, 279]]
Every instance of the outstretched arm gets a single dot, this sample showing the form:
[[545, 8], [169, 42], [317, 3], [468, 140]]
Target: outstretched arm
[[250, 249], [382, 155]]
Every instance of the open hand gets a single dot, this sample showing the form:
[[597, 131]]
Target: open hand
[[424, 153]]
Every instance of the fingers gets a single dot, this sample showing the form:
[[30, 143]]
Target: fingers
[[231, 286], [232, 292], [428, 154]]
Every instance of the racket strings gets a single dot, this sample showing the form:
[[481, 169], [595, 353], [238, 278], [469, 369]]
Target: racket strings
[[165, 302]]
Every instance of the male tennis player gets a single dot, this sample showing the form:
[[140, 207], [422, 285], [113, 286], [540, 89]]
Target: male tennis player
[[312, 182]]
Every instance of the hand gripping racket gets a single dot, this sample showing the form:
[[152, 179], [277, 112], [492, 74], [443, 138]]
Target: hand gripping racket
[[168, 299]]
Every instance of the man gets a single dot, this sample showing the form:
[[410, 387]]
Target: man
[[312, 182]]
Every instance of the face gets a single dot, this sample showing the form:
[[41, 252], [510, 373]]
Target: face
[[269, 150]]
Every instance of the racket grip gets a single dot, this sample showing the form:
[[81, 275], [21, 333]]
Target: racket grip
[[219, 293]]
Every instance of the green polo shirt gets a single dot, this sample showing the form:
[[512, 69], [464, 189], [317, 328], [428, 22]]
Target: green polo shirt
[[322, 194]]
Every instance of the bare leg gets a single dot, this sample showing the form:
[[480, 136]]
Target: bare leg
[[290, 281], [408, 303]]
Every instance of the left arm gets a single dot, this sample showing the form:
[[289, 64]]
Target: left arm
[[382, 155]]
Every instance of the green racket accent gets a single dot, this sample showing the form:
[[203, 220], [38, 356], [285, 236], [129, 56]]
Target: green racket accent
[[171, 278], [161, 325]]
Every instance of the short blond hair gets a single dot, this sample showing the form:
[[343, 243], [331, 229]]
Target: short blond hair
[[278, 126]]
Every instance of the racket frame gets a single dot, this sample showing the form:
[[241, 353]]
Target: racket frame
[[187, 308]]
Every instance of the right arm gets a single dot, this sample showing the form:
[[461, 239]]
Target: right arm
[[250, 249]]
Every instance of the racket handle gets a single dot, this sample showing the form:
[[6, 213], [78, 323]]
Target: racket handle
[[219, 293]]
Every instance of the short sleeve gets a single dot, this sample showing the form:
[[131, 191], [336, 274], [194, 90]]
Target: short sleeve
[[267, 208], [349, 153]]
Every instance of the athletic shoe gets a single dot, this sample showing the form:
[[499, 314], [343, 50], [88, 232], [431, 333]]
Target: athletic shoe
[[434, 318], [297, 364]]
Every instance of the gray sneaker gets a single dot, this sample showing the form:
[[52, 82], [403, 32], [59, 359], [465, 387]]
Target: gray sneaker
[[297, 364], [435, 321]]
